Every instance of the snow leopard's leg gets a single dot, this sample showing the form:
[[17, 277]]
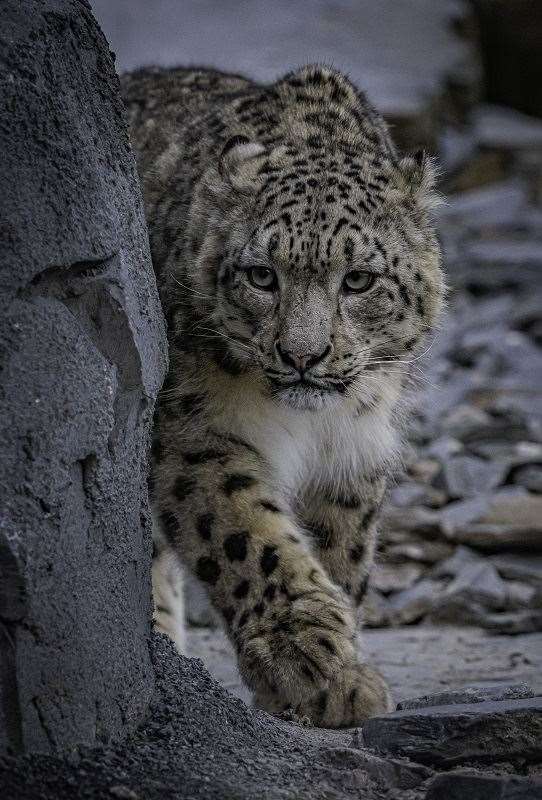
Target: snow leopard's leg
[[167, 590], [343, 528], [293, 629], [344, 533]]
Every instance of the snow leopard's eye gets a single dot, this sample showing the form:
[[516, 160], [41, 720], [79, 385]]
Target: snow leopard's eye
[[263, 278], [358, 281]]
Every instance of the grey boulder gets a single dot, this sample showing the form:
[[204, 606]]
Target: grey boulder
[[443, 736], [82, 351]]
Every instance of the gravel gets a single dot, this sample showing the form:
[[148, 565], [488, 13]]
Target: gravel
[[198, 742]]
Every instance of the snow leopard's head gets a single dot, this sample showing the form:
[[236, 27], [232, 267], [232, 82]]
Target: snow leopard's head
[[316, 266]]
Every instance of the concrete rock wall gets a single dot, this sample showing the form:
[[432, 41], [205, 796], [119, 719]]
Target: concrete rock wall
[[82, 356]]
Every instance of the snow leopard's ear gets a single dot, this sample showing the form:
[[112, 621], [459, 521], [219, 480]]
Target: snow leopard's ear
[[415, 177], [239, 162]]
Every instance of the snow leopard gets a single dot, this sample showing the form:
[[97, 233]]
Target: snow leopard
[[300, 275]]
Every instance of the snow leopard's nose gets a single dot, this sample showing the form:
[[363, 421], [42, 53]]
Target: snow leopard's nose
[[301, 361]]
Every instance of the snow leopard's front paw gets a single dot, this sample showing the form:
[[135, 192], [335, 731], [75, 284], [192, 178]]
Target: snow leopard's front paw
[[294, 655], [354, 694]]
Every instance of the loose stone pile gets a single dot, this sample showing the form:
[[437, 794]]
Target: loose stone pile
[[462, 530]]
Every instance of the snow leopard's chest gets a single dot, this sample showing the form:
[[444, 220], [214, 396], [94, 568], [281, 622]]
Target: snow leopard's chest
[[326, 449]]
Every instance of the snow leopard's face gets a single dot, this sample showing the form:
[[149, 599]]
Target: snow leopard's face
[[327, 278]]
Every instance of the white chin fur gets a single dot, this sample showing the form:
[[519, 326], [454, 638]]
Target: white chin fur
[[306, 398]]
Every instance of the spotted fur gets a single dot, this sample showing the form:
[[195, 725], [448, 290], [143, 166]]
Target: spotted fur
[[299, 274]]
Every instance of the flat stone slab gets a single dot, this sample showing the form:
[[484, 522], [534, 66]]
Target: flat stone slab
[[470, 694], [495, 522], [461, 786], [446, 735], [501, 128]]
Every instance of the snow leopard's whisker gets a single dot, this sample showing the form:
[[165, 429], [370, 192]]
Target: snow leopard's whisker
[[383, 361], [231, 337], [193, 291], [401, 373], [199, 322], [384, 342], [218, 334], [426, 351], [222, 336]]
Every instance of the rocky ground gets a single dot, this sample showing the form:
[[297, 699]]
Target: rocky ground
[[199, 741]]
